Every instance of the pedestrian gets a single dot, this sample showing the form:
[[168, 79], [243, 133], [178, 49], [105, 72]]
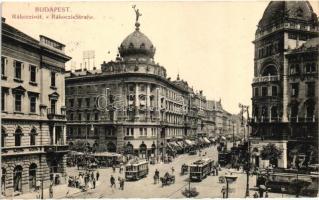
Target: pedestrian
[[173, 170], [112, 180], [97, 175], [113, 167], [256, 195], [51, 191], [94, 182], [122, 183], [223, 191], [92, 175], [266, 194], [38, 184], [216, 171], [261, 193]]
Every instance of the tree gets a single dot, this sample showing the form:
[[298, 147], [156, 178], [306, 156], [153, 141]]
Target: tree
[[270, 152]]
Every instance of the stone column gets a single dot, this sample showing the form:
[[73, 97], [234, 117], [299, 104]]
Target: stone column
[[64, 135], [270, 113], [285, 91], [147, 102], [282, 162], [137, 101], [53, 133]]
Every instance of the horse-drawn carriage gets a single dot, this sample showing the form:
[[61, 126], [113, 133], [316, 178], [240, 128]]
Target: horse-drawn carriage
[[184, 169], [167, 179]]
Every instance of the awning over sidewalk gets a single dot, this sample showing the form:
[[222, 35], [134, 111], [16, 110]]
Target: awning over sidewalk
[[206, 140]]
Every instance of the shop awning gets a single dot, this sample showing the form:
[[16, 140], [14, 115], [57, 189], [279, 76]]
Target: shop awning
[[188, 142], [206, 140]]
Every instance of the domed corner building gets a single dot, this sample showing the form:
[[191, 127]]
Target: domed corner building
[[130, 106], [285, 84]]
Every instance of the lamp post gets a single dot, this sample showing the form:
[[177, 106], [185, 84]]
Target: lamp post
[[244, 109], [229, 179]]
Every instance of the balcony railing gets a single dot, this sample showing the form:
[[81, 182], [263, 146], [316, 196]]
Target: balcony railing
[[56, 148], [53, 114], [20, 150], [262, 79]]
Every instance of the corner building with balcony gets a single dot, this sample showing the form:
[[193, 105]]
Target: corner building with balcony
[[285, 86], [33, 133], [130, 106]]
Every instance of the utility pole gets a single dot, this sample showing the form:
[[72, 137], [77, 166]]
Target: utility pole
[[245, 108]]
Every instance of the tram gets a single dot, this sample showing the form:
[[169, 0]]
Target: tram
[[136, 169], [200, 169]]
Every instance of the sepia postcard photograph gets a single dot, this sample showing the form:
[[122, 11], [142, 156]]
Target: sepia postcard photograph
[[159, 99]]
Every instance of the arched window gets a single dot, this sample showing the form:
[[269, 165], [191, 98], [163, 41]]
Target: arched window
[[32, 176], [269, 70], [129, 148], [33, 134], [18, 137], [17, 178]]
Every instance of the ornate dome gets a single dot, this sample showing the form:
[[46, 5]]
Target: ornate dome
[[137, 44], [279, 10]]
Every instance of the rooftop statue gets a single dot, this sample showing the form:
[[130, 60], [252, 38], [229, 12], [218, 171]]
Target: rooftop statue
[[137, 12]]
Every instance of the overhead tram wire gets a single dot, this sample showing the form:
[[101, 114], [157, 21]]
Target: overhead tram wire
[[177, 190]]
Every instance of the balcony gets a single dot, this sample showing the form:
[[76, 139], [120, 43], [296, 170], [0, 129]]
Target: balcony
[[21, 150], [264, 79], [53, 114], [56, 148], [128, 137]]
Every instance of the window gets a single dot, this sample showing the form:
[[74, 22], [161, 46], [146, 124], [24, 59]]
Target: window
[[33, 137], [141, 131], [53, 106], [3, 100], [18, 137], [87, 100], [274, 91], [264, 91], [18, 68], [145, 131], [127, 131], [79, 117], [33, 73], [3, 137], [71, 102], [132, 131], [142, 86], [311, 89], [131, 88], [53, 79], [294, 89], [18, 102], [256, 92], [96, 116], [3, 65], [313, 67], [88, 117], [79, 103], [33, 103], [71, 116]]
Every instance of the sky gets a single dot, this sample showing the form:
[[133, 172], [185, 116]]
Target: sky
[[208, 43]]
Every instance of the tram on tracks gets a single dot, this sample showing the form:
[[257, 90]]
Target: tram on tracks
[[200, 169], [136, 169]]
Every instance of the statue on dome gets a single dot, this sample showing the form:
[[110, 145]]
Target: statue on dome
[[137, 12]]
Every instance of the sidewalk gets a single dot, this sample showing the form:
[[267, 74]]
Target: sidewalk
[[59, 191]]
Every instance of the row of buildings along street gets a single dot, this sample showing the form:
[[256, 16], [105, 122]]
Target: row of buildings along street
[[56, 123]]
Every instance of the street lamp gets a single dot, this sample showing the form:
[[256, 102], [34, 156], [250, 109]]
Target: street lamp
[[245, 108], [229, 179]]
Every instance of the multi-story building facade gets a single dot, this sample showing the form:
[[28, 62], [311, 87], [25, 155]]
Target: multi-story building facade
[[33, 142], [130, 106], [285, 98]]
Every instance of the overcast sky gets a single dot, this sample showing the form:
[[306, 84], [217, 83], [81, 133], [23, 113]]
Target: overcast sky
[[208, 43]]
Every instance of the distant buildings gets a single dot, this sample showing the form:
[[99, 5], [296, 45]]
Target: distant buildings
[[130, 106], [285, 86], [33, 139]]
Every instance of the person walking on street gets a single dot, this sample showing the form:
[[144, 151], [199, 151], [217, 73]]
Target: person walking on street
[[94, 183], [223, 191], [112, 180], [266, 194], [122, 183], [51, 191], [97, 175], [113, 167], [256, 195], [173, 170]]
